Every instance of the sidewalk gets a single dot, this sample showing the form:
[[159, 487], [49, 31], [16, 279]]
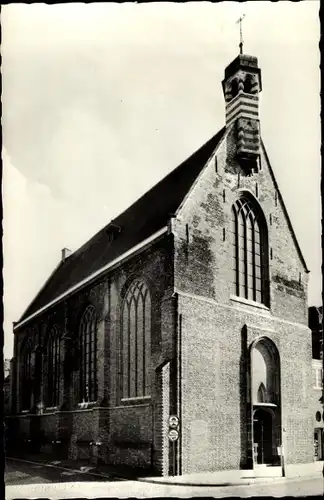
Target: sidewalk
[[216, 479], [113, 473]]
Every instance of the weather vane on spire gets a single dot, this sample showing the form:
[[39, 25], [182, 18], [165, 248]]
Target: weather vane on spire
[[241, 35]]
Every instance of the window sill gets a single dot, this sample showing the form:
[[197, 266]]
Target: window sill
[[140, 399], [50, 409], [250, 303], [317, 388], [271, 405], [87, 405]]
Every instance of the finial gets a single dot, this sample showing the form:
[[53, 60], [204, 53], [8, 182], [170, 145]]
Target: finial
[[241, 35]]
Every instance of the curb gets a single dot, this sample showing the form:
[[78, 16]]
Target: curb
[[241, 482]]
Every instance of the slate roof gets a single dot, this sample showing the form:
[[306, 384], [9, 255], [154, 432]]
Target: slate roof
[[146, 216]]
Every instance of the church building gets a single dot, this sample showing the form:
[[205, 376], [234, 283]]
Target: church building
[[176, 339]]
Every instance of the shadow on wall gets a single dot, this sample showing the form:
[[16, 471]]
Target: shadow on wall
[[246, 454]]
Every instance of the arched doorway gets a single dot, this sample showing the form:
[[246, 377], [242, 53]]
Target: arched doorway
[[266, 403]]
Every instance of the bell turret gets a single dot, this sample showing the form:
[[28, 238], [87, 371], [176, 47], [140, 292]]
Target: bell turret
[[241, 87]]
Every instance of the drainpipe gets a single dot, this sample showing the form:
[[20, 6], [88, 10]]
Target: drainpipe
[[179, 353], [322, 354], [176, 445], [282, 458], [322, 349]]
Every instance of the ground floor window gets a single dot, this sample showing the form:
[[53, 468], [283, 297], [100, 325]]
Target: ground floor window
[[318, 444]]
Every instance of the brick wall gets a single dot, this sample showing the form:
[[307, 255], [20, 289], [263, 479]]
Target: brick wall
[[165, 383], [215, 433], [203, 256], [84, 432], [101, 423], [131, 435]]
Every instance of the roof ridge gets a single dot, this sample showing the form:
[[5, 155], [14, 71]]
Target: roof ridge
[[154, 186]]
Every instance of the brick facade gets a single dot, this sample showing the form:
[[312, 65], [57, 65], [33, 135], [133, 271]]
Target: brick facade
[[203, 338], [214, 401], [111, 430]]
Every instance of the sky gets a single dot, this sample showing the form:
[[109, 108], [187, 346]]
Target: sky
[[101, 101]]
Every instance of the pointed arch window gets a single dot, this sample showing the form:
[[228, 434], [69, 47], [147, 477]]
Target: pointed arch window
[[262, 394], [250, 252], [53, 354], [136, 341], [88, 358], [26, 379]]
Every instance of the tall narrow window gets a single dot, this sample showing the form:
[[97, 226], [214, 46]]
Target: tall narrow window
[[88, 360], [136, 341], [53, 367], [250, 252], [26, 379]]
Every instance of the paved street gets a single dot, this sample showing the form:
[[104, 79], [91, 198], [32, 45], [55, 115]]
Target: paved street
[[22, 472], [25, 480]]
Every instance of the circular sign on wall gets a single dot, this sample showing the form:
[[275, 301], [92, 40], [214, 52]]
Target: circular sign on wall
[[173, 435], [173, 421]]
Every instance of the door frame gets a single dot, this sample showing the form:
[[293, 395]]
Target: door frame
[[269, 410]]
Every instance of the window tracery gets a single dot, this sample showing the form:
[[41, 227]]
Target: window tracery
[[26, 375], [53, 365], [249, 260], [88, 359], [136, 341]]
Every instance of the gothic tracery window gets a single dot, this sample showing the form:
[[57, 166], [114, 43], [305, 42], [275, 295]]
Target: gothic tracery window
[[136, 341], [53, 367], [250, 262], [88, 359], [26, 379]]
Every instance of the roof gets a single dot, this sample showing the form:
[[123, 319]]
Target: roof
[[145, 217]]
